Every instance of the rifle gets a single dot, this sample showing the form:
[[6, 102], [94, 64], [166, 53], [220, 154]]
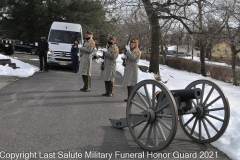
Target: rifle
[[102, 65], [128, 41]]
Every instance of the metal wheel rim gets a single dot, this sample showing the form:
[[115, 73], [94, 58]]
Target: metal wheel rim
[[151, 135], [203, 124]]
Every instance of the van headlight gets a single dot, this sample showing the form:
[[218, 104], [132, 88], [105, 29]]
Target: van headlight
[[50, 52]]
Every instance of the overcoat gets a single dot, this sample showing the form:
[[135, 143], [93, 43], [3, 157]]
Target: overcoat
[[86, 51], [109, 72], [131, 69]]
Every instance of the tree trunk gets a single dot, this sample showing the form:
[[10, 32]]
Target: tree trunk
[[164, 56], [155, 31], [202, 59], [163, 53], [202, 55], [234, 53]]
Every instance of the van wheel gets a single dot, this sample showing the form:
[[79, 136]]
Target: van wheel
[[10, 51], [32, 51]]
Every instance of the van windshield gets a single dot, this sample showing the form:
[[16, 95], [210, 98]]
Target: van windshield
[[63, 36]]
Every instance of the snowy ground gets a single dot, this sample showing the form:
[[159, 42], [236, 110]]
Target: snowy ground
[[24, 70], [177, 79]]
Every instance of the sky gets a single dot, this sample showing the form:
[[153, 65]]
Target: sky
[[176, 79]]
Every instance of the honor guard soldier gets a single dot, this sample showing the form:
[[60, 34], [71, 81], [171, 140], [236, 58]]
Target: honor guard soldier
[[85, 67], [108, 73], [133, 55]]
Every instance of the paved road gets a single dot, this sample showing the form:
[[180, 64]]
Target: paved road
[[46, 115]]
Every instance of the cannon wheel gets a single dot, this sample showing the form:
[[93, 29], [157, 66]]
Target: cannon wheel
[[211, 116], [152, 123]]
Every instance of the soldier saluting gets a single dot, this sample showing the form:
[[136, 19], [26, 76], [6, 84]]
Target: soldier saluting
[[109, 66], [85, 67], [131, 69]]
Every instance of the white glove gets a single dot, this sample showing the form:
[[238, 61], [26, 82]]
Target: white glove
[[101, 60], [127, 47], [78, 54], [104, 49], [123, 56], [79, 46]]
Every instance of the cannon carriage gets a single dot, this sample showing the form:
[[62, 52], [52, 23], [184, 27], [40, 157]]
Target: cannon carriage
[[153, 112]]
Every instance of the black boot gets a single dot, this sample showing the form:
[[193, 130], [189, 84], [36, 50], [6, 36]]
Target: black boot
[[83, 77], [87, 84], [129, 88], [106, 88], [129, 91], [110, 87]]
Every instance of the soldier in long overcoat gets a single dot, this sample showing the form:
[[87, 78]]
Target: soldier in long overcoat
[[131, 69], [85, 66], [109, 67]]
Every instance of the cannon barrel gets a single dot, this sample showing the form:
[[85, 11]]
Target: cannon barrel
[[186, 94]]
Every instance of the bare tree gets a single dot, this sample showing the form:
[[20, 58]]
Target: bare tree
[[165, 31], [139, 24], [187, 12], [232, 32]]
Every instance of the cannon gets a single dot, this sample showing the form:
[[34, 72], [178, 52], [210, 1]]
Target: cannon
[[153, 112]]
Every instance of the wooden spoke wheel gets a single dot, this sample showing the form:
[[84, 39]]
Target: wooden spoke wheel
[[210, 114], [152, 122]]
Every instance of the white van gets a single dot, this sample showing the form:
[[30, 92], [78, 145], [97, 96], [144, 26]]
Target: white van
[[60, 39]]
